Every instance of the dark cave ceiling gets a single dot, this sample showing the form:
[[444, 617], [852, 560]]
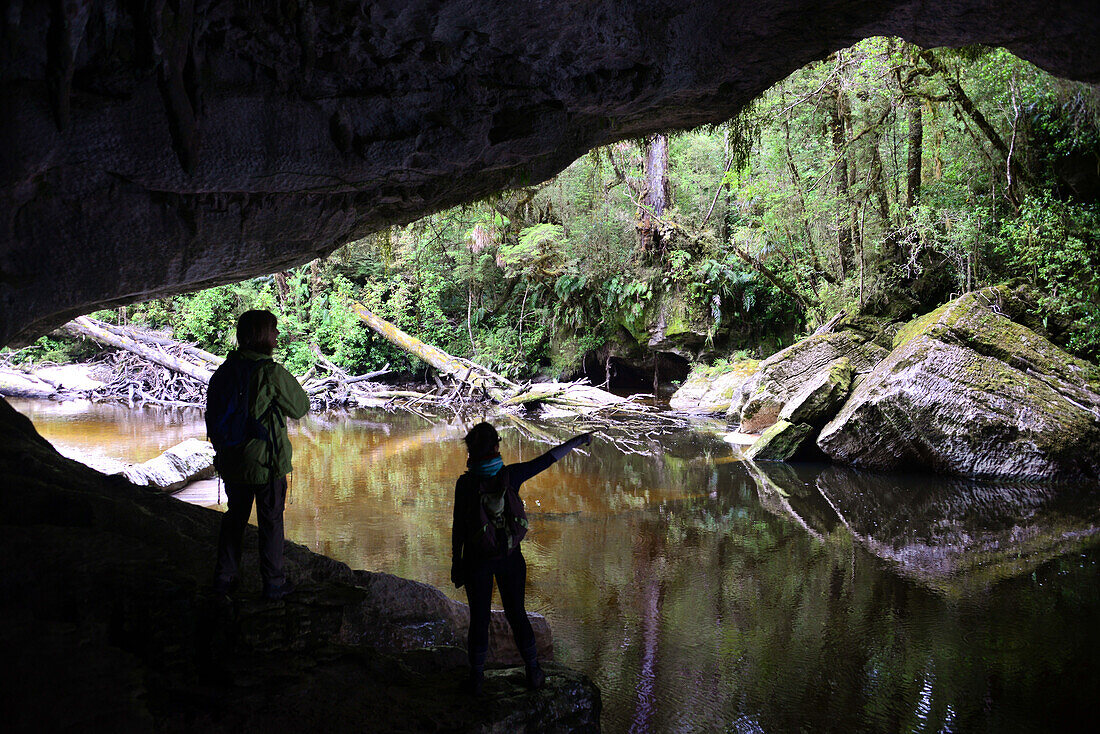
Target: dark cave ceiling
[[157, 148]]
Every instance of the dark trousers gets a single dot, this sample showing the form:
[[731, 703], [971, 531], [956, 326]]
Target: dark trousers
[[270, 499], [511, 576]]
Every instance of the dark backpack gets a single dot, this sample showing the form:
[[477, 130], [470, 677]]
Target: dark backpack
[[229, 421], [499, 521]]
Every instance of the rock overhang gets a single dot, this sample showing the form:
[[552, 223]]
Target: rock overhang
[[153, 151]]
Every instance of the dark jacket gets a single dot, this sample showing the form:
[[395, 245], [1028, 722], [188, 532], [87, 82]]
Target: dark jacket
[[466, 491]]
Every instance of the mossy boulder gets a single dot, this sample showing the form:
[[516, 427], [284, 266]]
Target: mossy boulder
[[821, 397], [711, 389], [785, 374], [967, 391], [780, 442], [675, 325]]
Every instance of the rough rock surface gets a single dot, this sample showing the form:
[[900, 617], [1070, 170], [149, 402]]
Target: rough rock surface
[[177, 467], [821, 397], [106, 624], [707, 390], [400, 614], [967, 391], [677, 326], [784, 375], [779, 442], [153, 148]]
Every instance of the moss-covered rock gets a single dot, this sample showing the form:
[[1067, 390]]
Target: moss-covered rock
[[566, 353], [969, 392], [820, 398], [780, 442], [675, 325], [784, 375], [711, 389]]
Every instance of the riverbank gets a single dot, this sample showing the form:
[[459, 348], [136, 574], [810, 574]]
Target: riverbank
[[108, 624]]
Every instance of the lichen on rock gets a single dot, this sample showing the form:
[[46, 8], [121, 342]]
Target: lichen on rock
[[784, 374], [820, 398], [711, 389], [967, 391], [779, 442]]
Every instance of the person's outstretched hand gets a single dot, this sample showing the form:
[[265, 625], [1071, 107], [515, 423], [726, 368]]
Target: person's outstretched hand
[[585, 439], [456, 575]]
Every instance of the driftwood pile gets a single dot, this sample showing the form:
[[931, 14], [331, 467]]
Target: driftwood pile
[[146, 367]]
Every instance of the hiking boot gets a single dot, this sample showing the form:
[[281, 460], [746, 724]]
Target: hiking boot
[[275, 593], [535, 677]]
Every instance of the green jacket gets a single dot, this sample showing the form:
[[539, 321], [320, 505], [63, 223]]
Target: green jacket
[[272, 387]]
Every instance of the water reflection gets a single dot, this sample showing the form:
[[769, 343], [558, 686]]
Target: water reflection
[[703, 594], [954, 536]]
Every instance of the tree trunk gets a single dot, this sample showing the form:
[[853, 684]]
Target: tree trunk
[[838, 110], [803, 216], [459, 369], [878, 189], [656, 195], [962, 99], [915, 139], [282, 289]]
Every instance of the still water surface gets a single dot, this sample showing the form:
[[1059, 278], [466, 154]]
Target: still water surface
[[704, 595]]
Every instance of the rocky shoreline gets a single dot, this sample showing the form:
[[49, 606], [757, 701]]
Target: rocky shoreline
[[972, 389], [108, 624]]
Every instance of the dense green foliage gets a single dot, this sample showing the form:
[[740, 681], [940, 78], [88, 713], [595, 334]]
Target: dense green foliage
[[883, 180]]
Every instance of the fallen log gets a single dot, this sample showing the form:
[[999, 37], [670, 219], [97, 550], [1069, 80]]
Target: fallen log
[[572, 397], [86, 327], [15, 384], [184, 383], [496, 386], [147, 337]]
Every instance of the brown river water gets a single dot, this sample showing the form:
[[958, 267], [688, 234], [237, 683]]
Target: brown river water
[[703, 594]]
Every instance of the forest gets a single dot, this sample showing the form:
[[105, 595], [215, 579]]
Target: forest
[[882, 181]]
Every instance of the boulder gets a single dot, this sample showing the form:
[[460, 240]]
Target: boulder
[[177, 467], [784, 374], [821, 397], [779, 442], [711, 389], [969, 392], [675, 325], [400, 615]]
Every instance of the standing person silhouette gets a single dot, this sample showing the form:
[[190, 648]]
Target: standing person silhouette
[[247, 404], [488, 525]]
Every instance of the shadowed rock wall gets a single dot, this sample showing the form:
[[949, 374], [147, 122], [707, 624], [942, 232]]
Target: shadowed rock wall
[[159, 147]]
